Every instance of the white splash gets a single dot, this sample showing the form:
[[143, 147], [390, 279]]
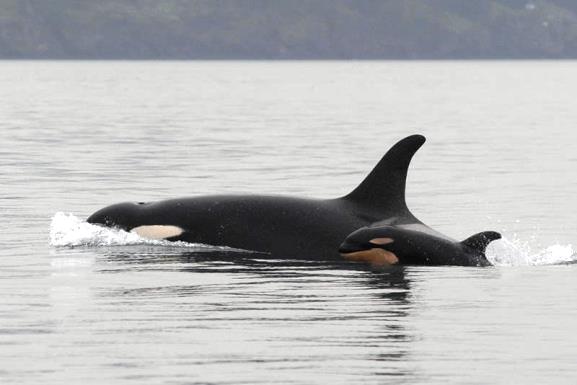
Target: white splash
[[67, 230], [515, 252]]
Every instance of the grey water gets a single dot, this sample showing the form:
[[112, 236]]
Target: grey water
[[78, 306]]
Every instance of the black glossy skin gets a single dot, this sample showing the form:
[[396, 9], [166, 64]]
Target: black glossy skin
[[284, 227], [420, 248]]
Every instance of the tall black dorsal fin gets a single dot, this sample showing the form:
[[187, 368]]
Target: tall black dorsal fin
[[384, 188], [481, 241]]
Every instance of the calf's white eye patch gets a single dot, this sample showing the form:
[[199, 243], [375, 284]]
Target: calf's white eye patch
[[381, 241], [157, 231]]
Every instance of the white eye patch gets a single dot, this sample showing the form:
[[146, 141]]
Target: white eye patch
[[157, 231], [381, 241]]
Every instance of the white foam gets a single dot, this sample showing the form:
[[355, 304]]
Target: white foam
[[69, 230], [515, 252]]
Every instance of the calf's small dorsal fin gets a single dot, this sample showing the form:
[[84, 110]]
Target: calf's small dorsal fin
[[384, 188], [481, 241]]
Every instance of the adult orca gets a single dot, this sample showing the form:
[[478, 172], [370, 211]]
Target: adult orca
[[280, 227], [390, 245]]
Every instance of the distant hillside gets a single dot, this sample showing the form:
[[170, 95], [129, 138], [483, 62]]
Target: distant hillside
[[287, 29]]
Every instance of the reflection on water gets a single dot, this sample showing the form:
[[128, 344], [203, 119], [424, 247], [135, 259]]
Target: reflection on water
[[146, 313], [254, 320]]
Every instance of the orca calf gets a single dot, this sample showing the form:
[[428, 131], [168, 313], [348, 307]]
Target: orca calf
[[281, 227], [390, 245]]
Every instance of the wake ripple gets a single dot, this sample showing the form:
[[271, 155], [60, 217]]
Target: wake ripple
[[516, 252]]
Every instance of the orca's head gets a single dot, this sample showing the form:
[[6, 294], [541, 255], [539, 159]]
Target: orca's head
[[389, 245], [137, 218], [370, 245], [124, 216]]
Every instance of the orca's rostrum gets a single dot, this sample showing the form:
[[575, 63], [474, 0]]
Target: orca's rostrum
[[299, 228]]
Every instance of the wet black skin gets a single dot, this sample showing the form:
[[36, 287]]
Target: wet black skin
[[280, 226], [283, 227], [421, 248]]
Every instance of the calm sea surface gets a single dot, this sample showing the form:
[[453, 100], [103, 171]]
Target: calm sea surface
[[82, 306]]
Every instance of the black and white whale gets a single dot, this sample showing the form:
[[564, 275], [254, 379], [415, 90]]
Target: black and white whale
[[281, 227], [382, 245]]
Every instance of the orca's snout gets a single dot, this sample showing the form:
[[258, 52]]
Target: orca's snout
[[120, 215], [100, 218], [356, 241], [348, 247], [367, 238]]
